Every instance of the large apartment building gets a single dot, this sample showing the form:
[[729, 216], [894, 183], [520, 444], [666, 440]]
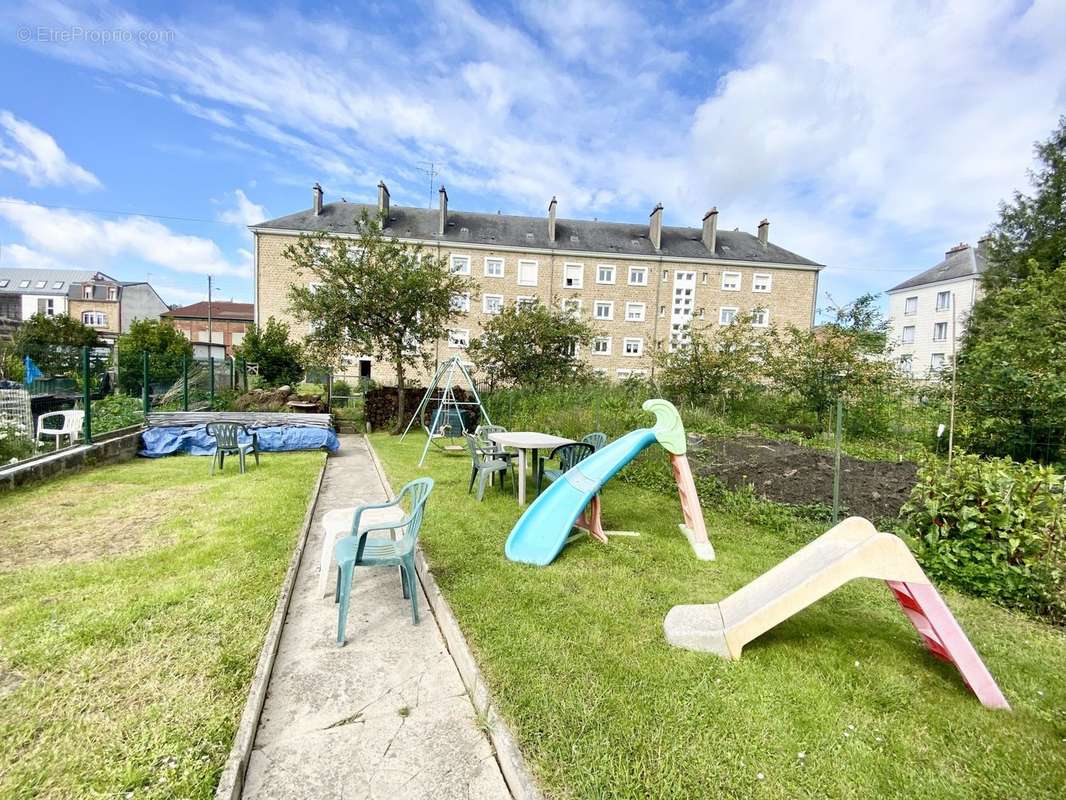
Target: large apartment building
[[643, 286], [25, 292], [928, 313]]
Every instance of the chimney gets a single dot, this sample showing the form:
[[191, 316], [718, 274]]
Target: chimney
[[551, 219], [443, 211], [383, 203], [655, 226], [317, 202], [983, 245], [957, 249], [764, 232], [710, 229]]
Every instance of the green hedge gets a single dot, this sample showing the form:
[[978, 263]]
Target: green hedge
[[994, 528]]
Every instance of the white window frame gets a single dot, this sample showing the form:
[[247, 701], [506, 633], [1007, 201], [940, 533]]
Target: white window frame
[[485, 303], [630, 340], [643, 272], [579, 281], [455, 258], [495, 260], [641, 308], [524, 299], [904, 335], [87, 293], [597, 340], [57, 284], [760, 318], [459, 342], [41, 285], [933, 359], [727, 284], [609, 304], [906, 363], [612, 270], [94, 319], [947, 296], [463, 304], [112, 293], [910, 308], [24, 284], [938, 326], [721, 315], [526, 262], [765, 278], [567, 301]]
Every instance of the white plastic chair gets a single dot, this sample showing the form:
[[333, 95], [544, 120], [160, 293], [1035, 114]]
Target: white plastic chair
[[73, 421], [338, 523]]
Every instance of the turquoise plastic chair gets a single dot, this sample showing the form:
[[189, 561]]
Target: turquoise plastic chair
[[568, 455], [597, 440], [356, 550], [227, 441]]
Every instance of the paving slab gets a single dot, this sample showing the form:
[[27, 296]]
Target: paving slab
[[385, 716]]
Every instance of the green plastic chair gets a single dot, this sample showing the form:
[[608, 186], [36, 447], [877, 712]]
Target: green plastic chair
[[568, 455], [487, 445], [597, 440], [227, 440], [356, 550], [484, 464]]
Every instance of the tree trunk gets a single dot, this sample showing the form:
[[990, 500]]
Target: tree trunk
[[400, 409]]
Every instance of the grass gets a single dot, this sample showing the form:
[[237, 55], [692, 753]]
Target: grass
[[133, 603], [840, 701]]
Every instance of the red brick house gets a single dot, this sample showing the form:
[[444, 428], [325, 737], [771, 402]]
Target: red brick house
[[228, 324]]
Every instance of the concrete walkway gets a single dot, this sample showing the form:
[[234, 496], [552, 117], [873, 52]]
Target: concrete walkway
[[386, 716]]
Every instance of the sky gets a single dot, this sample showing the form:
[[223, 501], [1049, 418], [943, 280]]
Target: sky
[[141, 139]]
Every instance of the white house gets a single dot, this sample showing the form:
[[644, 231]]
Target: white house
[[25, 292], [928, 313]]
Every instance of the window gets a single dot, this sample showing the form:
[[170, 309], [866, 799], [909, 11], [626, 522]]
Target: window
[[601, 346], [94, 319], [601, 371], [4, 283], [525, 301], [572, 305], [910, 306], [666, 275], [635, 312], [625, 374], [569, 348], [24, 284], [730, 281], [605, 273], [40, 284], [461, 265], [940, 332], [937, 361], [46, 306], [943, 301], [633, 347], [461, 302], [112, 293], [906, 364], [604, 310], [703, 278], [662, 311], [527, 273], [493, 267], [638, 276], [761, 282], [458, 338], [492, 303], [87, 293], [760, 318], [908, 334], [727, 314], [573, 275], [57, 285]]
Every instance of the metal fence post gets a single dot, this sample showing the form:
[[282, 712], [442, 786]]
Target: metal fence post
[[145, 401], [211, 377], [244, 374], [185, 383], [87, 422], [232, 373], [836, 465]]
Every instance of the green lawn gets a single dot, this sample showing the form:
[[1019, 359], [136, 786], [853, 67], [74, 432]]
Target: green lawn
[[133, 604], [841, 701]]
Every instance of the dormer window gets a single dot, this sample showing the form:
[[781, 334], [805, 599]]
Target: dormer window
[[87, 292], [112, 293]]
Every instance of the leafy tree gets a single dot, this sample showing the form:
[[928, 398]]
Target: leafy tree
[[1011, 370], [280, 360], [54, 343], [719, 363], [1032, 228], [531, 345], [863, 318], [166, 346], [375, 296]]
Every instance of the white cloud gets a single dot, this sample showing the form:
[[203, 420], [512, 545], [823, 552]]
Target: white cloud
[[203, 112], [17, 255], [245, 212], [82, 239], [32, 153]]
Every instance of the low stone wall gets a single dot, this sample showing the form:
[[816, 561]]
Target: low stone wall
[[120, 445]]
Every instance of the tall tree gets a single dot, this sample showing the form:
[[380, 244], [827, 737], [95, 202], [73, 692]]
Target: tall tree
[[372, 295], [719, 363], [531, 345], [1032, 228], [280, 360], [54, 343], [166, 347]]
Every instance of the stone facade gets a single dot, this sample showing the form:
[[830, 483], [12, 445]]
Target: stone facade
[[635, 317]]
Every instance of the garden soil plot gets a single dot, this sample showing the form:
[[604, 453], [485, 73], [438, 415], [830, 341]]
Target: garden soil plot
[[789, 473]]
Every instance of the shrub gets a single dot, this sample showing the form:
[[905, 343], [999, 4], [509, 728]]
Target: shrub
[[280, 360], [994, 528], [166, 347], [342, 389], [114, 412], [14, 445]]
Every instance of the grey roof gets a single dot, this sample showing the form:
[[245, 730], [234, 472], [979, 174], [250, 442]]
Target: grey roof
[[506, 230], [53, 276], [959, 262]]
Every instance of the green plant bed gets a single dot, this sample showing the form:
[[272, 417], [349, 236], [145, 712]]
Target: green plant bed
[[133, 604], [840, 701]]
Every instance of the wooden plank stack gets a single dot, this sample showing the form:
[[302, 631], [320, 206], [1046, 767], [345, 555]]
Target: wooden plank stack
[[251, 419]]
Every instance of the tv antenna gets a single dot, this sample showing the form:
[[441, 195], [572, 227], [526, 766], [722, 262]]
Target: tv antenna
[[430, 168]]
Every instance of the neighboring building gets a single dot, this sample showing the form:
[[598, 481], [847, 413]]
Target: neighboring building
[[642, 285], [928, 313], [25, 292], [111, 306], [228, 324]]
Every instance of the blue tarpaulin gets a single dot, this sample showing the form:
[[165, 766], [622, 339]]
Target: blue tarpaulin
[[165, 441]]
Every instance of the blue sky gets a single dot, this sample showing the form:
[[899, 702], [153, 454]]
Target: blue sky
[[141, 140]]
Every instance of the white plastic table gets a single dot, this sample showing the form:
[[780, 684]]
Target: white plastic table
[[527, 442]]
